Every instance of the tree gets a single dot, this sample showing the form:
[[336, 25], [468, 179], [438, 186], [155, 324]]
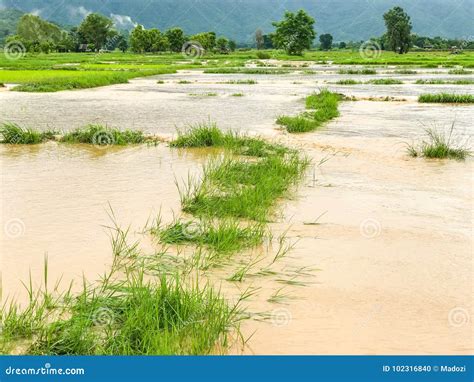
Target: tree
[[222, 45], [206, 39], [259, 38], [232, 45], [122, 44], [294, 33], [176, 39], [96, 29], [267, 42], [342, 45], [326, 41], [399, 27], [138, 39]]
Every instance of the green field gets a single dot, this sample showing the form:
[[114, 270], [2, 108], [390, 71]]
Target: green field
[[63, 71]]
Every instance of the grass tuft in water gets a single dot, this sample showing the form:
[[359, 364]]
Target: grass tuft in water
[[103, 136], [348, 82], [323, 106], [12, 133], [126, 313], [441, 146], [209, 135], [446, 98], [245, 189], [357, 71], [385, 81], [223, 236], [444, 82]]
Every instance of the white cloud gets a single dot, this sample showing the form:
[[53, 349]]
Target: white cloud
[[123, 21], [36, 12], [78, 12]]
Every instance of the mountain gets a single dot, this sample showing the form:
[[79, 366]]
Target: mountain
[[238, 19], [8, 20]]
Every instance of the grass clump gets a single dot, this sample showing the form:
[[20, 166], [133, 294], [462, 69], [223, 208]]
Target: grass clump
[[125, 313], [237, 94], [182, 82], [441, 146], [241, 82], [444, 82], [244, 189], [460, 71], [223, 236], [246, 71], [406, 71], [323, 106], [446, 98], [103, 136], [209, 135], [14, 134], [348, 82], [385, 81], [357, 71]]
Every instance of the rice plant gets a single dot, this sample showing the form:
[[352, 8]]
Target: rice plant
[[103, 136], [446, 98]]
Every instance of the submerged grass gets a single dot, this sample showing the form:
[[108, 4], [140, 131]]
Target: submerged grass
[[245, 189], [124, 314], [223, 236], [209, 135], [440, 145], [357, 71], [385, 81], [323, 106], [348, 82], [14, 134], [446, 98], [444, 82], [103, 136]]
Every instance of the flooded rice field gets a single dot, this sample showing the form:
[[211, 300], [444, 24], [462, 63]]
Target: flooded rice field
[[382, 259]]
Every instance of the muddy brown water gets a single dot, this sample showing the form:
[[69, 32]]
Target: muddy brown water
[[386, 239]]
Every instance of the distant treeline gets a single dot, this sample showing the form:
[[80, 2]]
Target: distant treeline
[[97, 32]]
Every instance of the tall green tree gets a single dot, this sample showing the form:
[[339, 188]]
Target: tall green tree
[[96, 29], [399, 27], [294, 33], [175, 38], [326, 41], [138, 39], [222, 45]]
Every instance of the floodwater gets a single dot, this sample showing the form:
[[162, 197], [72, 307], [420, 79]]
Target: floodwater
[[385, 240]]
